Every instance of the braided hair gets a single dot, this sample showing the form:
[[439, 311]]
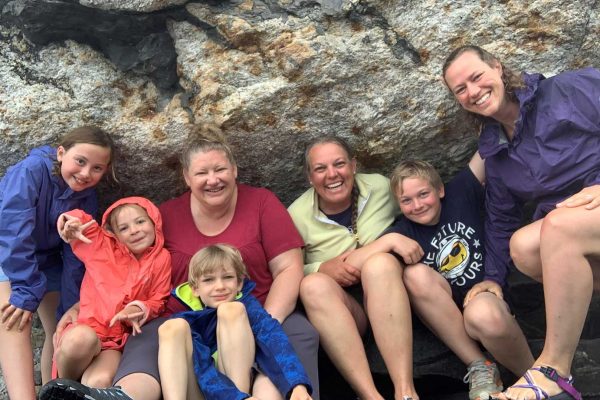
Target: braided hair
[[354, 218]]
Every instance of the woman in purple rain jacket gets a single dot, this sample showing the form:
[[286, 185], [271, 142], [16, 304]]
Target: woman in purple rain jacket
[[540, 138]]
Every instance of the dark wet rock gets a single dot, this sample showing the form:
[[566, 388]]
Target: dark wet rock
[[136, 42]]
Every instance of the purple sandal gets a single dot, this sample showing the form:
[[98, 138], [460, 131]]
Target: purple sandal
[[566, 384]]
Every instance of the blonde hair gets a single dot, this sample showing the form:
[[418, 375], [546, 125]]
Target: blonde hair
[[213, 257], [414, 169], [205, 138], [111, 221]]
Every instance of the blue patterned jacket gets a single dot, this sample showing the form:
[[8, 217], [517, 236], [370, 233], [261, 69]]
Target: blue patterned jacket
[[275, 357]]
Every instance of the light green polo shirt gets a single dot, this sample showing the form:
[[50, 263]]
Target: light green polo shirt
[[325, 239]]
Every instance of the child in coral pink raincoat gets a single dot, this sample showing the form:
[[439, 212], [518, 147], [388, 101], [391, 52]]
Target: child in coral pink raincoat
[[126, 283]]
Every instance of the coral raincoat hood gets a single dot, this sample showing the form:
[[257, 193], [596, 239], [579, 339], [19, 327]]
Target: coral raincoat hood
[[115, 278], [153, 213]]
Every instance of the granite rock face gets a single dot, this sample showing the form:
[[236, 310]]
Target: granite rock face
[[132, 5], [271, 73]]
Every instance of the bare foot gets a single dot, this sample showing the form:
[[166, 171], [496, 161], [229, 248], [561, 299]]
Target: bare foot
[[538, 382], [408, 395]]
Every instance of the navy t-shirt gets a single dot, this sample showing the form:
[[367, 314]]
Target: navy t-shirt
[[454, 246]]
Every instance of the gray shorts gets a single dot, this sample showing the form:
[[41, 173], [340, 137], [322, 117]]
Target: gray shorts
[[140, 354]]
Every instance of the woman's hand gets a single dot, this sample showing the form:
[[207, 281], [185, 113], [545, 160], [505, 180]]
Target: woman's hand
[[300, 393], [341, 272], [588, 197], [70, 228], [12, 315], [481, 287], [130, 315], [407, 248]]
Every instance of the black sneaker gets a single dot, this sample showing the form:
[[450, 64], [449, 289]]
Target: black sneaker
[[66, 389]]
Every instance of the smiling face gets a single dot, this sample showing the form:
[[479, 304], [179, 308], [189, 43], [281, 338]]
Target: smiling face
[[83, 165], [211, 178], [133, 227], [218, 286], [419, 201], [331, 173], [477, 86]]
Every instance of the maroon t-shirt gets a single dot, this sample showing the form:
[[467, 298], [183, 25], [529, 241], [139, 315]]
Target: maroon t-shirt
[[261, 229]]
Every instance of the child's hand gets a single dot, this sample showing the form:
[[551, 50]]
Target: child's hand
[[129, 315], [70, 228], [12, 315], [410, 250], [481, 287], [300, 393]]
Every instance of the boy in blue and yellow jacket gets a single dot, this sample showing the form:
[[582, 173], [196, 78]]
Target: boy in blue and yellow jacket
[[235, 349]]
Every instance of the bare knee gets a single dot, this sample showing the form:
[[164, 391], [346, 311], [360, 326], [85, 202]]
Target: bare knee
[[557, 225], [314, 288], [417, 280], [525, 252], [486, 317], [381, 266], [175, 328], [81, 340], [230, 312]]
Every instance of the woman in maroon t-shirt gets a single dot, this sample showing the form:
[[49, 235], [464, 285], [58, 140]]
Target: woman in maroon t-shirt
[[217, 209]]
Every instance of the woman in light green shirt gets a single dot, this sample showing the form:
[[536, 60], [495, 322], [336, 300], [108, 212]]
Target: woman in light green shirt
[[341, 212]]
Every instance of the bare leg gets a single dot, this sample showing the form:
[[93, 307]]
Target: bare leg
[[389, 312], [235, 344], [264, 389], [488, 320], [431, 298], [47, 313], [525, 250], [140, 386], [16, 357], [340, 320], [77, 348], [568, 237], [178, 378], [101, 371]]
